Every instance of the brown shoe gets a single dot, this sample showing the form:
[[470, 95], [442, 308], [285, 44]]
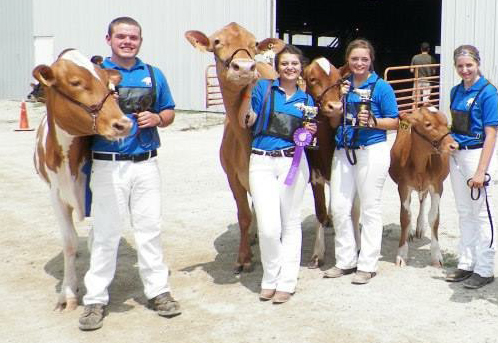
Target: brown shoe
[[266, 294], [92, 317], [361, 277], [458, 275], [335, 272], [165, 305], [281, 297]]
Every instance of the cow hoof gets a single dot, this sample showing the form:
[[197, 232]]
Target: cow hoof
[[315, 263], [400, 262], [237, 269], [69, 304]]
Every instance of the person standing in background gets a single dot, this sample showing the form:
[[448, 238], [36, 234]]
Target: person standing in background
[[422, 84]]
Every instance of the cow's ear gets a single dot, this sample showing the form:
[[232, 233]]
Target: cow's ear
[[198, 40], [274, 44], [44, 75], [114, 76], [97, 59]]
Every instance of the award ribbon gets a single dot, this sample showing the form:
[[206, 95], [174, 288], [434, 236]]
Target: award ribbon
[[302, 138]]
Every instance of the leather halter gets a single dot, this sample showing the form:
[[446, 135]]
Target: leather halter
[[227, 62], [320, 97], [92, 109], [436, 144]]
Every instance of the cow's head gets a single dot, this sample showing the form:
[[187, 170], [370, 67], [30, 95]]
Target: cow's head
[[323, 82], [234, 49], [80, 97], [430, 127]]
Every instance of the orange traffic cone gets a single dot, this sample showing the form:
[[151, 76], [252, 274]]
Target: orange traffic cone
[[23, 120]]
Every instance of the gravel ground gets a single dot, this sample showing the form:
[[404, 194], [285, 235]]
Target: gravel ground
[[412, 304]]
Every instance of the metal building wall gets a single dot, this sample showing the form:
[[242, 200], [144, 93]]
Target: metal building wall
[[16, 25], [468, 22], [83, 25]]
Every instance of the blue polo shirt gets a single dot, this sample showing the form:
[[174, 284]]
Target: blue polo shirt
[[148, 139], [484, 113], [383, 105], [281, 104]]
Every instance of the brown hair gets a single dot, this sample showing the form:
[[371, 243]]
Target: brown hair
[[364, 44], [291, 49], [467, 50], [123, 20], [425, 47]]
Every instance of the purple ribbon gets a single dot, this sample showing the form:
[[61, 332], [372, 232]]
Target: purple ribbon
[[302, 138]]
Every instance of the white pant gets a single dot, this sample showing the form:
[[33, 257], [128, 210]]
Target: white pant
[[278, 212], [475, 229], [123, 190], [367, 178], [424, 94]]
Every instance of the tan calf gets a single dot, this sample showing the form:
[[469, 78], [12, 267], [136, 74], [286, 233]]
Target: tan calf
[[420, 163]]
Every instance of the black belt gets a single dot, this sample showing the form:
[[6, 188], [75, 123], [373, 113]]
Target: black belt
[[470, 147], [289, 152], [361, 147], [124, 157]]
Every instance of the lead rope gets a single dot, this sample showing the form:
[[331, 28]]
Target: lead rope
[[487, 180], [350, 153]]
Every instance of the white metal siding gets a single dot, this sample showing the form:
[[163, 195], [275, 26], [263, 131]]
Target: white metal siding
[[16, 25], [468, 22], [83, 25]]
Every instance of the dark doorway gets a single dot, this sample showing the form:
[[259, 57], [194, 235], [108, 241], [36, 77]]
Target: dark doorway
[[395, 27]]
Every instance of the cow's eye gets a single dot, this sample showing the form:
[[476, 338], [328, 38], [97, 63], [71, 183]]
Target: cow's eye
[[428, 125], [312, 80], [75, 83], [216, 42]]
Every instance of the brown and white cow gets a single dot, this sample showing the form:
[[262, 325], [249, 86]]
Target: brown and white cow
[[234, 49], [80, 103], [420, 163]]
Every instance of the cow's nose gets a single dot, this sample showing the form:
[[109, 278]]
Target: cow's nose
[[453, 146], [243, 65], [333, 106], [122, 126]]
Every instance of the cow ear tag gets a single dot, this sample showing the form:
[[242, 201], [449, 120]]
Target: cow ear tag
[[404, 125]]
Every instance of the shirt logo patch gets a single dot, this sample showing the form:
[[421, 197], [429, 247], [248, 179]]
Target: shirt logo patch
[[147, 80], [469, 102]]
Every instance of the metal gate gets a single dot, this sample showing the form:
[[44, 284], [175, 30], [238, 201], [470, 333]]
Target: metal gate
[[213, 92], [412, 93]]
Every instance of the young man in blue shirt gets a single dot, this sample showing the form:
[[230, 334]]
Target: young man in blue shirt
[[126, 181]]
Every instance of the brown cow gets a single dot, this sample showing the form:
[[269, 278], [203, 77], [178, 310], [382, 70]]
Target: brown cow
[[234, 49], [420, 162], [323, 82], [80, 103]]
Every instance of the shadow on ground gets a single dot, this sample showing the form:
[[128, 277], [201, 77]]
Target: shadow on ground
[[126, 284]]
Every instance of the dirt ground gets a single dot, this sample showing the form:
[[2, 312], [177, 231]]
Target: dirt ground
[[200, 236]]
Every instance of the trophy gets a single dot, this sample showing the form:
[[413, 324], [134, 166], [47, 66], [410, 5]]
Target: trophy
[[309, 113], [364, 103]]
